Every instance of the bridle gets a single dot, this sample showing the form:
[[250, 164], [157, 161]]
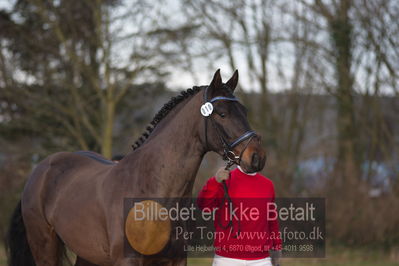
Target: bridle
[[228, 153]]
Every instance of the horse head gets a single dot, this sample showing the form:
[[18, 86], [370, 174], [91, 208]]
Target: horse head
[[227, 130]]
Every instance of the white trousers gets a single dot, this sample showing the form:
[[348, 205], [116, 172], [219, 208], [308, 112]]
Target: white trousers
[[223, 261]]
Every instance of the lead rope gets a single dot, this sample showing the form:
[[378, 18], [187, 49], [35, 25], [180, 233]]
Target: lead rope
[[230, 203], [226, 191]]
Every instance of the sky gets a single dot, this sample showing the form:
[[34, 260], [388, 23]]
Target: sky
[[281, 58]]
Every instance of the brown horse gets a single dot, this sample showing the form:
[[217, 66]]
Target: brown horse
[[76, 199]]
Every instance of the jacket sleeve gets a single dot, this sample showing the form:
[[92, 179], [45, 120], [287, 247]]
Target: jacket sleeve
[[210, 195], [274, 229]]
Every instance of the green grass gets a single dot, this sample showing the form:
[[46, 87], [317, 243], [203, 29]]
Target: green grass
[[334, 256], [3, 259]]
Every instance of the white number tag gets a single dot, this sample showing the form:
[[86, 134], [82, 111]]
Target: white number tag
[[207, 109]]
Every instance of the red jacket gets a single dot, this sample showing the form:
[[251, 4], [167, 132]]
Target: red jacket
[[252, 234]]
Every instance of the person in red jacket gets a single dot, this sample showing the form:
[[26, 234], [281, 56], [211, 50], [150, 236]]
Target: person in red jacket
[[245, 231]]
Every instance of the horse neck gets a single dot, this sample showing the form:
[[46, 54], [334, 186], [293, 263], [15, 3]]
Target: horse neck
[[170, 158]]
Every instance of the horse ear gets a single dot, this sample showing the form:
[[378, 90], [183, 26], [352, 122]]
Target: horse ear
[[232, 83], [216, 81]]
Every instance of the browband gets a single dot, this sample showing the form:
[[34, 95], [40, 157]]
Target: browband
[[223, 98], [217, 98]]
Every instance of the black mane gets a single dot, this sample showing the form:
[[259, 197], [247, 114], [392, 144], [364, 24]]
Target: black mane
[[164, 112]]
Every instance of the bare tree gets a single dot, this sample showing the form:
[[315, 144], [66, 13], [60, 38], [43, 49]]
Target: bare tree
[[250, 35], [69, 64]]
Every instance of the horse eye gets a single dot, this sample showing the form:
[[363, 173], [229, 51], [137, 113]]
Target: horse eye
[[222, 115]]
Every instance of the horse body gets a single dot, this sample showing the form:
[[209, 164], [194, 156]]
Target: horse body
[[80, 200], [63, 200], [74, 200]]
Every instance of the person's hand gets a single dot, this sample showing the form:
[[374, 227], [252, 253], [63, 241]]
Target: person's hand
[[275, 255], [222, 174]]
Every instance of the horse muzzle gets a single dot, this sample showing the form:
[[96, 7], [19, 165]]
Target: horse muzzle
[[254, 159], [258, 162]]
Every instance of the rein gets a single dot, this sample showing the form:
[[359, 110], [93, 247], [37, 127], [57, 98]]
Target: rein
[[228, 153]]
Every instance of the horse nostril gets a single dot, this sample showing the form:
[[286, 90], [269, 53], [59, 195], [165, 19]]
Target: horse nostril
[[255, 160]]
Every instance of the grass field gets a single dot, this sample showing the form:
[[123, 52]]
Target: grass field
[[335, 256], [2, 256]]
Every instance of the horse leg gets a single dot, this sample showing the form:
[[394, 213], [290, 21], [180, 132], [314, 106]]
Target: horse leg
[[44, 243], [151, 262], [129, 262], [82, 262]]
